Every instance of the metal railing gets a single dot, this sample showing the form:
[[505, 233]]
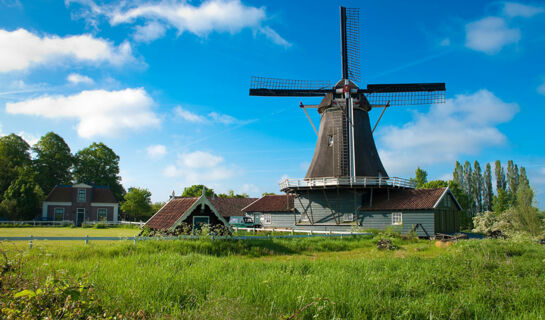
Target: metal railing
[[347, 181]]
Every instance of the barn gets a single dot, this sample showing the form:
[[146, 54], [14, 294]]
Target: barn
[[432, 210], [196, 211]]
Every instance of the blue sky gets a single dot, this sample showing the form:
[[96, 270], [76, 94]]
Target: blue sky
[[165, 84]]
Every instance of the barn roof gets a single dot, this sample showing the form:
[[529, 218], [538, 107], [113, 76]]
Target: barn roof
[[229, 207], [272, 203], [407, 199], [170, 213]]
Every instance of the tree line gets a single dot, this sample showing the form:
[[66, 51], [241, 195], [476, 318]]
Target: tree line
[[29, 173]]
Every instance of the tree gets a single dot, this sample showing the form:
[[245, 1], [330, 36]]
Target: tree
[[512, 178], [99, 165], [501, 201], [523, 179], [435, 184], [477, 189], [25, 193], [268, 194], [231, 194], [488, 192], [14, 154], [500, 176], [420, 177], [458, 174], [196, 191], [468, 186], [137, 204], [53, 161]]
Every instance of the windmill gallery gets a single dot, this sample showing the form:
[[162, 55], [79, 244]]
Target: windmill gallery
[[346, 185]]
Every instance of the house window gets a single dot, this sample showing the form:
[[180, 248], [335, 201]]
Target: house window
[[81, 195], [59, 214], [397, 218], [267, 219], [102, 214], [347, 217]]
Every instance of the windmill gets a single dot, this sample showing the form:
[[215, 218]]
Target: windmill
[[345, 151]]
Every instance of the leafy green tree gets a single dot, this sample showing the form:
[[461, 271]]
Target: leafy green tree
[[231, 194], [99, 165], [477, 189], [458, 174], [137, 204], [14, 155], [501, 201], [523, 180], [25, 193], [196, 191], [488, 192], [268, 194], [435, 184], [420, 177], [53, 161], [512, 179], [468, 186], [500, 176]]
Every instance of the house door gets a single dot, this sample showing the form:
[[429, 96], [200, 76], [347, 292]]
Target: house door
[[80, 216]]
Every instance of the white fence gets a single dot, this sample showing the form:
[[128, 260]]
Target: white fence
[[293, 231], [67, 223]]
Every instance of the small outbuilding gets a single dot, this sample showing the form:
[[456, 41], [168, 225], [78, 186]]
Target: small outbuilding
[[231, 208]]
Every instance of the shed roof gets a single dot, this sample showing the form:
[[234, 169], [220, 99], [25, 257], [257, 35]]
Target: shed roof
[[271, 203], [406, 199], [229, 207], [60, 194], [170, 213], [65, 193]]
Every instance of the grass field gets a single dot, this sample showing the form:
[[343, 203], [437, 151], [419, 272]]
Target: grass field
[[320, 278]]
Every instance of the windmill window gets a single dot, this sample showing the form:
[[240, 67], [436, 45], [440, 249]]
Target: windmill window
[[397, 218], [330, 141]]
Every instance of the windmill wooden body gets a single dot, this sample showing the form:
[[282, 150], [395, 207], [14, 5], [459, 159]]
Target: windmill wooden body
[[346, 167]]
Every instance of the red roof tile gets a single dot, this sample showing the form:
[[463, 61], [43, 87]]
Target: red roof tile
[[272, 203], [103, 195], [405, 199], [60, 194], [170, 213], [229, 207]]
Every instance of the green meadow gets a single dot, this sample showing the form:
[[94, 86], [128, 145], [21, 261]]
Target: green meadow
[[312, 278]]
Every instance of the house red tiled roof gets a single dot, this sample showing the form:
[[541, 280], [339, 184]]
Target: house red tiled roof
[[60, 194], [103, 195], [272, 203], [405, 199], [170, 213], [229, 207]]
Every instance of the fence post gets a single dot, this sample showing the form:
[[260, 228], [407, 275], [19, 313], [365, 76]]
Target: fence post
[[134, 239], [310, 232], [87, 240]]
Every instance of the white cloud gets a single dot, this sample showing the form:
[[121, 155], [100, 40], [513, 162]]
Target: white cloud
[[212, 117], [149, 32], [490, 35], [250, 189], [463, 125], [200, 159], [22, 49], [445, 42], [156, 151], [199, 167], [513, 9], [188, 115], [76, 78], [209, 16], [99, 112], [541, 88], [222, 118]]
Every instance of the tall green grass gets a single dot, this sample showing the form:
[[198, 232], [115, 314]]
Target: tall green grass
[[329, 278]]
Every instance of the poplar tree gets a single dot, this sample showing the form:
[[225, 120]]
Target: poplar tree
[[477, 187], [523, 179], [488, 193], [458, 175], [468, 185], [500, 176], [512, 177]]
